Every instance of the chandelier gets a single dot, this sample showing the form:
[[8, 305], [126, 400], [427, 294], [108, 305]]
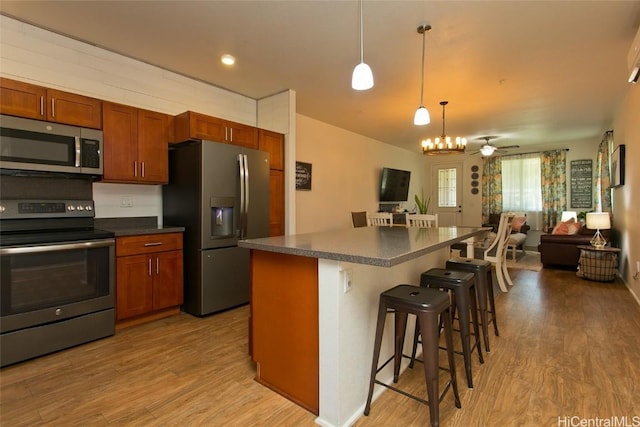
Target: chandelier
[[444, 144]]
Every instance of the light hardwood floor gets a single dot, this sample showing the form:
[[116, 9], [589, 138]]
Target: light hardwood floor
[[567, 348]]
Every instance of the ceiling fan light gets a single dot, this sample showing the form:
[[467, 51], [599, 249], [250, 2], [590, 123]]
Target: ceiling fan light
[[362, 78], [487, 150], [422, 117]]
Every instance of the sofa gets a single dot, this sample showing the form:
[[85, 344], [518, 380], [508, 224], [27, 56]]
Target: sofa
[[562, 249]]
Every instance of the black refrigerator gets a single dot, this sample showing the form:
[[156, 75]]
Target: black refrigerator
[[220, 194]]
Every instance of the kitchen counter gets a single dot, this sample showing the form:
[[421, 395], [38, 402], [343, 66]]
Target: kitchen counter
[[379, 246], [133, 226], [314, 301]]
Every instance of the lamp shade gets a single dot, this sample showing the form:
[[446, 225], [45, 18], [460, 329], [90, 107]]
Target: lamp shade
[[422, 117], [567, 215], [598, 221], [362, 78]]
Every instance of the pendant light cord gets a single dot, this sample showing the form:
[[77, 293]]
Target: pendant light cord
[[361, 35], [422, 75]]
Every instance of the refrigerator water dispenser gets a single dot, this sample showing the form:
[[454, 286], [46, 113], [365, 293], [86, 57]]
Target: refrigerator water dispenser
[[222, 217]]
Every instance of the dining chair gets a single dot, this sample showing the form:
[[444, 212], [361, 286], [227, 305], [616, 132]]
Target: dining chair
[[380, 218], [422, 220], [496, 253], [359, 219]]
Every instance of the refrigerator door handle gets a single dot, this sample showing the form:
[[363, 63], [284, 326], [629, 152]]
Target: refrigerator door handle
[[242, 172], [246, 195]]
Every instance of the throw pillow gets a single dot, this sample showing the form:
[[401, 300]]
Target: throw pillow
[[517, 223], [567, 227]]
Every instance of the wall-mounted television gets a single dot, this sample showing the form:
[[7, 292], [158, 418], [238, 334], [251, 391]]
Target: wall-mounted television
[[394, 185]]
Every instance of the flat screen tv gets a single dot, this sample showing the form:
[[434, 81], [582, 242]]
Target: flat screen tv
[[394, 185]]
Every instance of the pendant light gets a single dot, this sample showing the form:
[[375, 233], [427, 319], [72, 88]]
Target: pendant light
[[444, 144], [422, 114], [362, 78]]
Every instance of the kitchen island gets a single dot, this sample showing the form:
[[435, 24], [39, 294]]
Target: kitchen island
[[314, 301]]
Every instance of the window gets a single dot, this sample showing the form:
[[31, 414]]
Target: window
[[521, 183], [447, 188]]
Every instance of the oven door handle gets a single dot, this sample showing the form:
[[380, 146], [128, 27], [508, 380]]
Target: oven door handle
[[58, 247]]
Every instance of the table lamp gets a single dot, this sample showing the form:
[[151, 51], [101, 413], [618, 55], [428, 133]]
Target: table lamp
[[598, 221]]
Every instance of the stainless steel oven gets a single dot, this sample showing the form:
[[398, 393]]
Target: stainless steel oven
[[56, 278]]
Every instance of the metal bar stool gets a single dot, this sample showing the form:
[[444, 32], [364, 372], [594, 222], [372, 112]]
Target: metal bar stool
[[462, 287], [484, 292], [427, 304]]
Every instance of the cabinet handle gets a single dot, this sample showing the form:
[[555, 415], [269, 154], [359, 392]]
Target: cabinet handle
[[149, 266], [135, 168], [42, 106], [142, 169], [226, 138], [157, 266], [146, 245], [53, 107], [231, 132]]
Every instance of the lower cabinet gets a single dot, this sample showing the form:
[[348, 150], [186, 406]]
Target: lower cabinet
[[149, 277]]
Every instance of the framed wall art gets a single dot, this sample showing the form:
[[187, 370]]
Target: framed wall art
[[303, 176], [617, 166]]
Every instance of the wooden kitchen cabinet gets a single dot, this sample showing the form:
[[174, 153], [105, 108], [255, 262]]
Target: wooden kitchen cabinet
[[191, 125], [135, 145], [273, 143], [149, 277], [276, 202], [36, 102]]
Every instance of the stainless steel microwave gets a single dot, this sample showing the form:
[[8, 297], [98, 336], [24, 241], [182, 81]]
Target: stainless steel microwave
[[34, 145]]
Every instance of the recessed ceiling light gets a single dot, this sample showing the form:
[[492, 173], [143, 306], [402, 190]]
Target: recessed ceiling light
[[228, 59]]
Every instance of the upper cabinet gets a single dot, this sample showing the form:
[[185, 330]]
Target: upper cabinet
[[273, 143], [36, 102], [192, 125], [135, 145]]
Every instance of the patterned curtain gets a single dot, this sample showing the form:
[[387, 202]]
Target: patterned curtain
[[491, 187], [602, 189], [553, 168]]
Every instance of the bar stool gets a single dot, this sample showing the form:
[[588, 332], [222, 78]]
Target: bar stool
[[484, 292], [427, 304], [462, 287]]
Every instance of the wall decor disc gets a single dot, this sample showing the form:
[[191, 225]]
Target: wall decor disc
[[475, 175], [474, 168], [474, 183], [474, 190]]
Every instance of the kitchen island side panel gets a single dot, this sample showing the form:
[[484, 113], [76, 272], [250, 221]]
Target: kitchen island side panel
[[284, 325]]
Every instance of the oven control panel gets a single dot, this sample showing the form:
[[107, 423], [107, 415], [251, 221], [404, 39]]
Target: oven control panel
[[18, 209]]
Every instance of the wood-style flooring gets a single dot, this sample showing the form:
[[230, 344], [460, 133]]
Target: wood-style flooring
[[567, 348]]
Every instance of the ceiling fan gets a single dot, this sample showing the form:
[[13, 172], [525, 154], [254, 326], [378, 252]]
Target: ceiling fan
[[488, 149]]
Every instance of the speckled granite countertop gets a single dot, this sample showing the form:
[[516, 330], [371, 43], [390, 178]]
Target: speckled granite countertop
[[379, 246], [132, 226]]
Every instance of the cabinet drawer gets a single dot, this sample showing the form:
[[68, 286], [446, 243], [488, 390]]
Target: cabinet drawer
[[148, 243]]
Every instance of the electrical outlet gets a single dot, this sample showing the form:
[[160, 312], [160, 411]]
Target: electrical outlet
[[347, 279], [126, 201]]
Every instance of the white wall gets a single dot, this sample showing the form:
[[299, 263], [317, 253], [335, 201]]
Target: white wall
[[626, 199], [345, 174]]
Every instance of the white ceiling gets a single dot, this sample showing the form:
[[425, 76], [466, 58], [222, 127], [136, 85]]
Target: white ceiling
[[530, 72]]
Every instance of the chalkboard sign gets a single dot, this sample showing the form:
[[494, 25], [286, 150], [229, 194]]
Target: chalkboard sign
[[581, 183], [303, 176]]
